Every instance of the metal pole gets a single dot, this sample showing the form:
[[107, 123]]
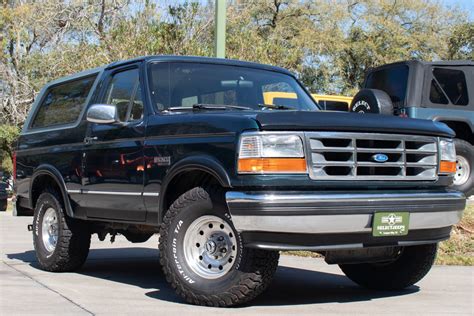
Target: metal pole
[[219, 45]]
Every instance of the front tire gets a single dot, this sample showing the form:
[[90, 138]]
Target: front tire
[[61, 243], [412, 264], [203, 257], [464, 177]]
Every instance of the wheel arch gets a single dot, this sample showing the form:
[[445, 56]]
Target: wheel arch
[[48, 175], [188, 173], [462, 128]]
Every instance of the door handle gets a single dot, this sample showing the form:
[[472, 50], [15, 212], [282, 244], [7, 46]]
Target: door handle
[[89, 140]]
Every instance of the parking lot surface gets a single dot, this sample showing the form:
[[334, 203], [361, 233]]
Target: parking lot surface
[[124, 278]]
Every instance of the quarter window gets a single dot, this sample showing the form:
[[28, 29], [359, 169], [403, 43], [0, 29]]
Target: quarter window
[[448, 84], [63, 103], [124, 91]]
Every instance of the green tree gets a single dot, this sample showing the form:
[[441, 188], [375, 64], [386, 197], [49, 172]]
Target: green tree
[[461, 42], [8, 136]]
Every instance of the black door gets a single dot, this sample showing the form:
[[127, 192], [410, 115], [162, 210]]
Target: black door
[[113, 158]]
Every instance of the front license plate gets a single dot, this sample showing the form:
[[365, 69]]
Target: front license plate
[[390, 224]]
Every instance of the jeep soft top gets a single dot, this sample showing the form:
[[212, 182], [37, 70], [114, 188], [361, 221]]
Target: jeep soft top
[[186, 147], [442, 91]]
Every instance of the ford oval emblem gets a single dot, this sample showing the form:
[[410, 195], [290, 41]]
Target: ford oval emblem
[[380, 158]]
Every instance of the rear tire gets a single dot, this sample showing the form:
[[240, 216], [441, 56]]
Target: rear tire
[[193, 236], [464, 178], [61, 243], [411, 266]]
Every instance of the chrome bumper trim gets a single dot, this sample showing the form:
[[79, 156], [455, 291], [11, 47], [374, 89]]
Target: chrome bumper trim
[[329, 224], [324, 213], [330, 197]]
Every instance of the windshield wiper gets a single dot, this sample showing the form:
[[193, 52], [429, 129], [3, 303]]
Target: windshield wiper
[[276, 107], [203, 106]]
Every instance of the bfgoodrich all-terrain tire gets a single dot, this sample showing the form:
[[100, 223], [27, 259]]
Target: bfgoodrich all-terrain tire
[[464, 177], [411, 266], [61, 243], [202, 254]]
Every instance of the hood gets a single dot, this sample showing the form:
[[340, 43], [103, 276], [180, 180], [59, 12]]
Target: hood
[[349, 122]]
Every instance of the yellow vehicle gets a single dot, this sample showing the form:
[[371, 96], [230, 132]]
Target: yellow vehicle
[[327, 102], [333, 102]]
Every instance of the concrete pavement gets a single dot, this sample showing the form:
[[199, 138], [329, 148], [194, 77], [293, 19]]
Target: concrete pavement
[[124, 278]]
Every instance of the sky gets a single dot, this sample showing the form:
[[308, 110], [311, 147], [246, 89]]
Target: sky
[[465, 5]]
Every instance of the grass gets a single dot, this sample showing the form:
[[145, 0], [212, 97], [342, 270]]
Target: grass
[[458, 250]]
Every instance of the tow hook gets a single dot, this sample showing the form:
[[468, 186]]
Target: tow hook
[[30, 227]]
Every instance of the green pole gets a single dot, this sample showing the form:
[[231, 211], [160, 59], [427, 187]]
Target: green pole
[[219, 45]]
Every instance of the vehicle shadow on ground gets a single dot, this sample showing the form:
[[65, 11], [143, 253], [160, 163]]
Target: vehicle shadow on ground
[[291, 286]]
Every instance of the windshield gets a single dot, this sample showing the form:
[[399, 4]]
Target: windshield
[[187, 84]]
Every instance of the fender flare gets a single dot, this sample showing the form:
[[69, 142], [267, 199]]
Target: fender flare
[[204, 163], [51, 171]]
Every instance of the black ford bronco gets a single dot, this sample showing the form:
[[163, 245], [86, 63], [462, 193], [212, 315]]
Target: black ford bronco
[[442, 91], [185, 147]]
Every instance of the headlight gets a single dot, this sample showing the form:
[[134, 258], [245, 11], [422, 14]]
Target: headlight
[[271, 154], [447, 153]]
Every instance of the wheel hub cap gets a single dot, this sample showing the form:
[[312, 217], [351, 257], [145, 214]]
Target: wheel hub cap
[[49, 230], [210, 247], [463, 170]]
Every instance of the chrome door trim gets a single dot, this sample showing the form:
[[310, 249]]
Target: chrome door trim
[[154, 194], [148, 194]]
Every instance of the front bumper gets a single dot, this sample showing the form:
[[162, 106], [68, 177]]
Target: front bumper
[[338, 220]]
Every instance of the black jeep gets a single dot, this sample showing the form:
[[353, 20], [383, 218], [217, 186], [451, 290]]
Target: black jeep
[[441, 91], [185, 147]]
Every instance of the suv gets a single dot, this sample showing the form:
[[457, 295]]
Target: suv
[[441, 91], [185, 147]]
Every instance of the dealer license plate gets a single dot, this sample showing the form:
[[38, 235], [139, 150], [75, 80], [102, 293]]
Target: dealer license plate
[[387, 224]]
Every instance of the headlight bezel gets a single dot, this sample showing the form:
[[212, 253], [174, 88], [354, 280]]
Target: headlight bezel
[[447, 156], [267, 159]]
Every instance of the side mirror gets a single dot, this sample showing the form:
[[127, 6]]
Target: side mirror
[[102, 114]]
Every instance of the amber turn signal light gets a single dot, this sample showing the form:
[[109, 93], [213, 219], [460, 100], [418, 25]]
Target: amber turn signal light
[[447, 166], [272, 165]]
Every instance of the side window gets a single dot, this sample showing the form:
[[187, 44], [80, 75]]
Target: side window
[[124, 91], [448, 84], [63, 103]]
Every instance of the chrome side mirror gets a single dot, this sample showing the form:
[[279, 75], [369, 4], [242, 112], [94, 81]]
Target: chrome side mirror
[[102, 114]]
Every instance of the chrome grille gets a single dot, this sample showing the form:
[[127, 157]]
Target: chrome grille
[[351, 156]]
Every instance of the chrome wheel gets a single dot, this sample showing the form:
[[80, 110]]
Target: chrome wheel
[[49, 229], [463, 170], [210, 247]]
